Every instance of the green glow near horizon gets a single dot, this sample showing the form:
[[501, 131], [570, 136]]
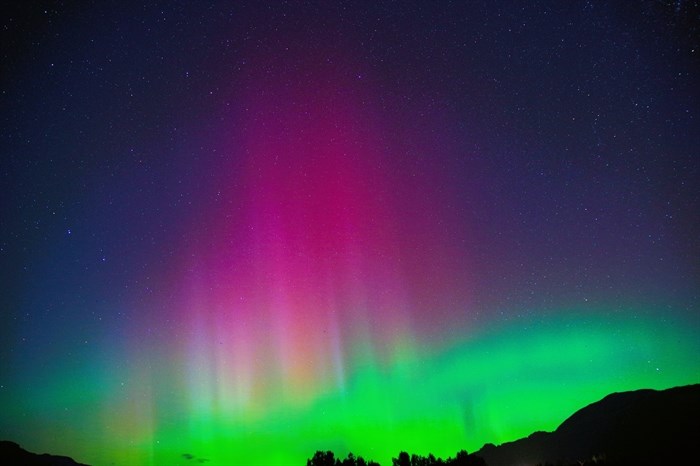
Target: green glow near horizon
[[495, 386]]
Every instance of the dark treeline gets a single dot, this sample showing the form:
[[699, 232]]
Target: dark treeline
[[327, 458], [462, 458]]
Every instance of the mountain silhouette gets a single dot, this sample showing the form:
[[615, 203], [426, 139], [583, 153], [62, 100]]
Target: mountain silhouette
[[11, 454], [642, 427]]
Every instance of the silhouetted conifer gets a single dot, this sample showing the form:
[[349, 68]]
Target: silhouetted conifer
[[321, 458], [402, 460], [328, 458]]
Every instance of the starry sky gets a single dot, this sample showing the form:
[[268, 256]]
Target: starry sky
[[242, 232]]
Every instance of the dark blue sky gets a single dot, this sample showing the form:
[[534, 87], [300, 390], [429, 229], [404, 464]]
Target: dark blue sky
[[526, 158]]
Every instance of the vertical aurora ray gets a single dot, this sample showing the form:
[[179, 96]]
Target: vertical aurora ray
[[309, 265], [492, 387], [307, 295], [329, 232]]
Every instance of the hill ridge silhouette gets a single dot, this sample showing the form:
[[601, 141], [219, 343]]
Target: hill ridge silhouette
[[641, 427], [12, 454]]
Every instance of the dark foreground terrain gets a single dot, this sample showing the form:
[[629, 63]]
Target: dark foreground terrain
[[12, 454], [643, 427]]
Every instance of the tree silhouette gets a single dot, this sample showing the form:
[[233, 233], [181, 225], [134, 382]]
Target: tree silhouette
[[321, 458], [465, 459], [462, 458], [402, 460], [327, 458]]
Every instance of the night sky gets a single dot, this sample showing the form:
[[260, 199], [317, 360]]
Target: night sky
[[244, 232]]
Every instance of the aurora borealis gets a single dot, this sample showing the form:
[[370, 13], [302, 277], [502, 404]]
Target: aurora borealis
[[247, 231]]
